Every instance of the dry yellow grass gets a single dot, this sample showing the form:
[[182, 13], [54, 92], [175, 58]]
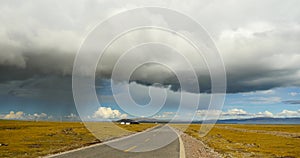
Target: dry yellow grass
[[230, 141], [33, 139], [279, 128]]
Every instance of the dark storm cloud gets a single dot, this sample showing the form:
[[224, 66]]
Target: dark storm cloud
[[255, 78], [39, 93], [38, 45], [48, 88], [36, 64], [292, 102]]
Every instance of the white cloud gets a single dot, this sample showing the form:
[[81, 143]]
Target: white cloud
[[235, 112], [240, 113], [107, 112], [264, 114], [203, 113], [265, 100], [13, 115], [20, 115], [264, 92], [165, 115], [71, 116], [270, 91], [289, 113], [35, 116], [293, 94], [231, 113], [41, 115]]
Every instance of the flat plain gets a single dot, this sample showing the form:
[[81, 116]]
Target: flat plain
[[232, 140], [34, 139]]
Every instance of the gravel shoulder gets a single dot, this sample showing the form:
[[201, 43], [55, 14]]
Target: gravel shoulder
[[195, 148]]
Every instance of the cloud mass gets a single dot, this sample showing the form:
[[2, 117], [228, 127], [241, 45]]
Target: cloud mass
[[108, 113], [258, 41], [259, 54]]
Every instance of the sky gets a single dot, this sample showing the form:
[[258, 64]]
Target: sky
[[258, 42]]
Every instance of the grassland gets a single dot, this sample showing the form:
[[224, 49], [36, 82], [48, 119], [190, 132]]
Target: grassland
[[34, 139], [251, 140]]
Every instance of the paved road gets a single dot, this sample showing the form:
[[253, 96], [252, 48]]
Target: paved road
[[130, 147]]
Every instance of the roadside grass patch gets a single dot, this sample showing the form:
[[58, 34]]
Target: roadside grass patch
[[246, 143], [34, 139]]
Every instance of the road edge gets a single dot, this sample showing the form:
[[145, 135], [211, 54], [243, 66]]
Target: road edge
[[98, 144], [181, 145]]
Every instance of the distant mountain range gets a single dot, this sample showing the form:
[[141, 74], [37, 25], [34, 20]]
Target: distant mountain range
[[257, 120], [261, 120]]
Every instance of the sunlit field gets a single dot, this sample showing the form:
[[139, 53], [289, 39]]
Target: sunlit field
[[33, 139], [251, 140]]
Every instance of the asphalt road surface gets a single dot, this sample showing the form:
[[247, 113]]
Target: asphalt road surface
[[160, 142]]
